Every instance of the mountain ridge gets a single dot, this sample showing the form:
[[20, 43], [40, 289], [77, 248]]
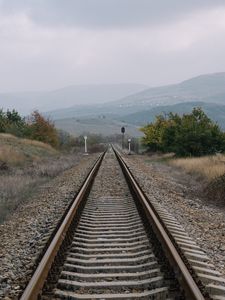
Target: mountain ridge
[[208, 88], [214, 111], [69, 96], [191, 88]]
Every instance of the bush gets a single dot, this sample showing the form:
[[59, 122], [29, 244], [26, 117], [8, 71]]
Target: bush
[[36, 127], [66, 141], [43, 130], [12, 122], [188, 135]]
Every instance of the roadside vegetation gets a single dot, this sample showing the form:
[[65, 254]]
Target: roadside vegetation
[[16, 151], [34, 127], [38, 128], [210, 171], [196, 145], [206, 167], [191, 134], [33, 151], [24, 165]]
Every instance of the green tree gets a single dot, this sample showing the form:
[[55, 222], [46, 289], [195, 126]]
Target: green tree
[[188, 135], [16, 124], [3, 121], [154, 132]]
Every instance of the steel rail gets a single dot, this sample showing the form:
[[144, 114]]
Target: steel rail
[[183, 275], [39, 277]]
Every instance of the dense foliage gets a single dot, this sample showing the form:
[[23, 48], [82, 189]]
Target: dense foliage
[[42, 129], [191, 134], [38, 127], [35, 127], [12, 122]]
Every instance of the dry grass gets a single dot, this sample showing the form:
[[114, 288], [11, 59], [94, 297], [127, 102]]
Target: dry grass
[[37, 144], [16, 151], [207, 167], [15, 188], [24, 165], [11, 156], [18, 183], [7, 136]]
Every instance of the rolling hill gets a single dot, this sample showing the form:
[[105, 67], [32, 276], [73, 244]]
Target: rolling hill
[[206, 91], [104, 126], [215, 111], [205, 88], [69, 96], [107, 125], [103, 108]]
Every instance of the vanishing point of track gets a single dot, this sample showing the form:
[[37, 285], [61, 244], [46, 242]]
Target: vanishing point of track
[[112, 245]]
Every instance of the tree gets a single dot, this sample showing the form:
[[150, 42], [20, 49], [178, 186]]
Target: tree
[[12, 122], [154, 134], [3, 121], [43, 130], [191, 134], [66, 141], [16, 124]]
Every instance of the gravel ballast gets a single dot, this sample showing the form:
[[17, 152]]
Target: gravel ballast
[[177, 193], [24, 235]]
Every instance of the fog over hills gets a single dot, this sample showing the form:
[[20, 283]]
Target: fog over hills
[[206, 91], [69, 96], [214, 111], [205, 88], [102, 108]]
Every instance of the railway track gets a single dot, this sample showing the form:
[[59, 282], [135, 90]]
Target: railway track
[[112, 244]]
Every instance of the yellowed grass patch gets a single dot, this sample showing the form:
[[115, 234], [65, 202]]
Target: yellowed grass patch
[[16, 151], [208, 167], [11, 156], [37, 144], [8, 137]]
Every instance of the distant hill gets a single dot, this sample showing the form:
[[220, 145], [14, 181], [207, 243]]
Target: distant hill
[[69, 96], [103, 108], [111, 124], [104, 126], [205, 88], [215, 111], [206, 91]]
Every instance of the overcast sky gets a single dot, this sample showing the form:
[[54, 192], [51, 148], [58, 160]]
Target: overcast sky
[[46, 44]]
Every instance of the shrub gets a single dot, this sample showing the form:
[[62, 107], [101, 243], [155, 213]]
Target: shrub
[[11, 122], [66, 141], [43, 130], [188, 135], [36, 127]]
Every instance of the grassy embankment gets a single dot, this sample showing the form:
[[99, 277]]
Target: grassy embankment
[[17, 152], [24, 165], [208, 169]]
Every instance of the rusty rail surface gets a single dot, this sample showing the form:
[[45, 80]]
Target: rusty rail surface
[[182, 273], [38, 279]]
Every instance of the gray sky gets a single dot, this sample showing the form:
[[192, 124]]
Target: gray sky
[[46, 44]]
